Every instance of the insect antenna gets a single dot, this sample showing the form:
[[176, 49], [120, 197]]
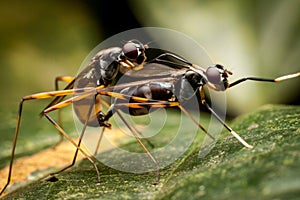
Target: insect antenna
[[278, 79]]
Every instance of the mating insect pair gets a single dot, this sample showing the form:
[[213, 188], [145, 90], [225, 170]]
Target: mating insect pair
[[166, 80]]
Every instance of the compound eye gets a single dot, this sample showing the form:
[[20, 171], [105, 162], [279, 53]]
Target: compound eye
[[213, 75], [131, 50]]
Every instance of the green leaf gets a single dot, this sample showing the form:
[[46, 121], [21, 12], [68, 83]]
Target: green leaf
[[270, 170]]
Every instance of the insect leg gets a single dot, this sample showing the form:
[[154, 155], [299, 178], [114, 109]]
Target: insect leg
[[144, 147], [14, 146], [99, 141], [197, 123], [157, 104], [64, 103], [163, 104], [140, 134], [66, 79], [77, 147], [103, 122], [241, 140], [102, 118], [16, 133], [105, 103], [278, 79]]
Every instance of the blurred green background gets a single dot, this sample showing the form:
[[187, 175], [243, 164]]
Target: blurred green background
[[43, 39]]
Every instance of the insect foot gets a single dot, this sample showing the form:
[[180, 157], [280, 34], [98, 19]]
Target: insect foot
[[102, 120]]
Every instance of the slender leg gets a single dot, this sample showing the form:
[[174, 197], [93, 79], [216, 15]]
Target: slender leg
[[41, 95], [144, 147], [241, 140], [99, 141], [105, 103], [103, 128], [160, 104], [14, 146], [79, 142], [140, 134], [163, 104], [68, 87], [66, 79], [77, 147], [106, 117], [197, 123]]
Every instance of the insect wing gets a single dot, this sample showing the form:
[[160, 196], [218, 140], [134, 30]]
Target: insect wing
[[102, 70]]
